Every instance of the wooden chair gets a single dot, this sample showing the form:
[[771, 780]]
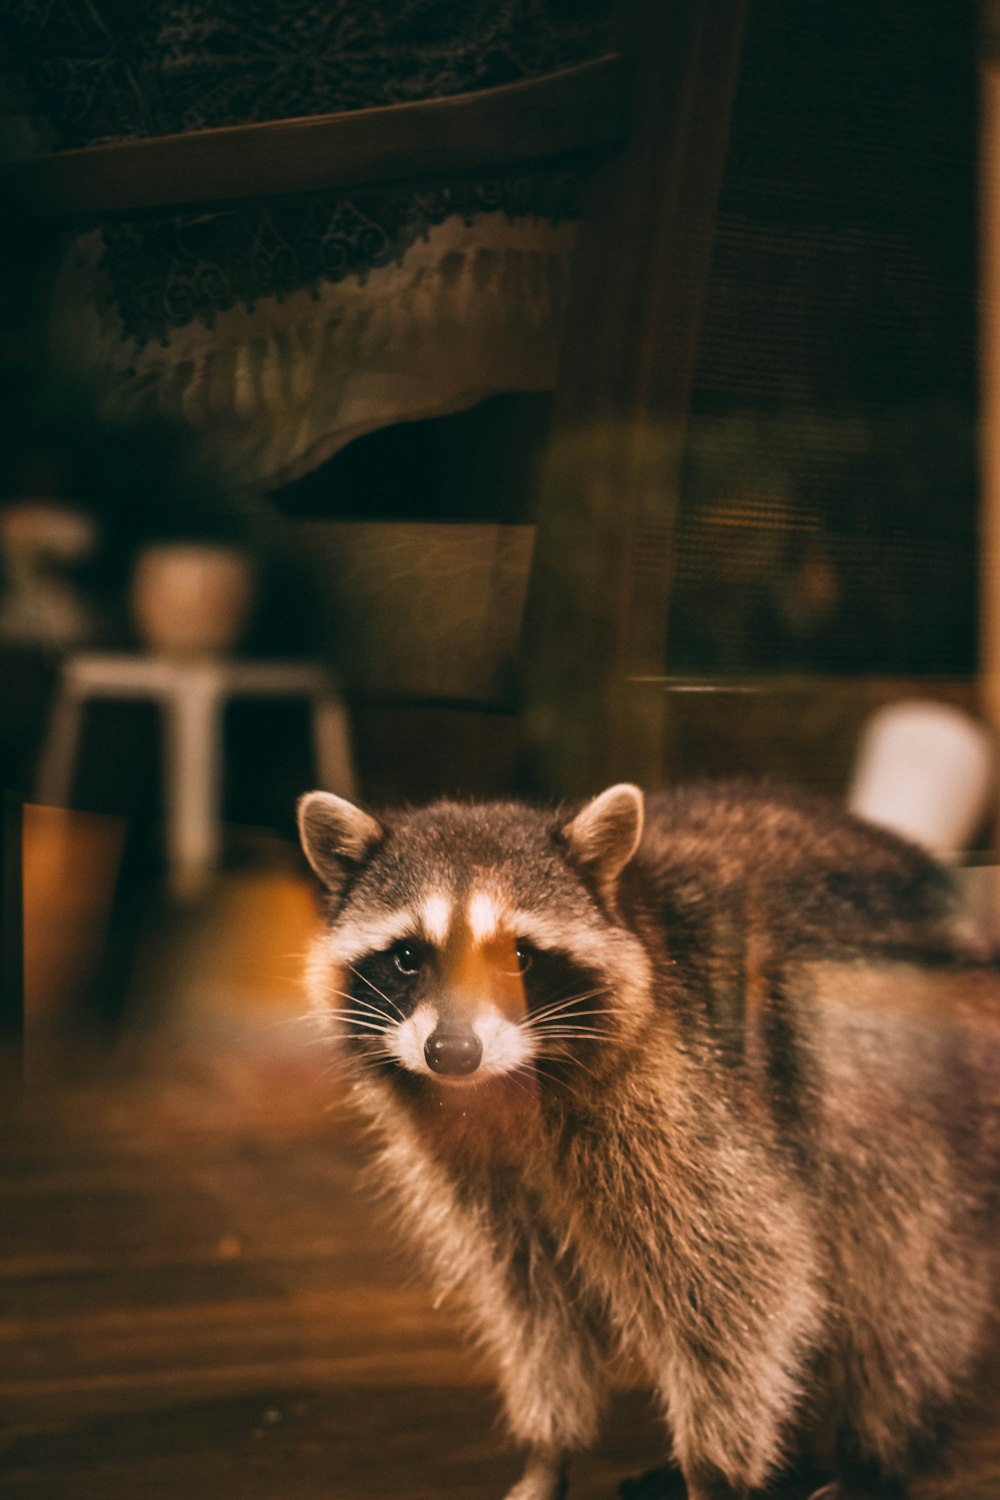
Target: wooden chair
[[655, 113]]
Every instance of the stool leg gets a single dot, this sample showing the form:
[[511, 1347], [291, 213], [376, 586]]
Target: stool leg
[[332, 746], [54, 781], [193, 734]]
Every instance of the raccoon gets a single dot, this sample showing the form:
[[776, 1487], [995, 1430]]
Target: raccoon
[[702, 1086]]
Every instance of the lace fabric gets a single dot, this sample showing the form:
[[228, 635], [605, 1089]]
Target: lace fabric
[[109, 70], [167, 272], [278, 388], [283, 330], [105, 70]]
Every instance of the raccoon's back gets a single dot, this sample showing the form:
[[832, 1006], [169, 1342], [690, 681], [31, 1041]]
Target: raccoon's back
[[826, 973], [798, 868]]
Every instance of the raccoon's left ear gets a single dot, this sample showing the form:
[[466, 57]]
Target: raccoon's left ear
[[604, 836], [335, 835]]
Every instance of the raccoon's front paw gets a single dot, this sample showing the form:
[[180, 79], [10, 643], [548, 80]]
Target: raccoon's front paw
[[543, 1479]]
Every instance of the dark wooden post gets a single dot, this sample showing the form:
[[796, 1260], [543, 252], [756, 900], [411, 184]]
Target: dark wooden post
[[12, 945], [596, 618]]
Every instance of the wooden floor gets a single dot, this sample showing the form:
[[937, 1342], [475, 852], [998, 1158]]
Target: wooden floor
[[196, 1301]]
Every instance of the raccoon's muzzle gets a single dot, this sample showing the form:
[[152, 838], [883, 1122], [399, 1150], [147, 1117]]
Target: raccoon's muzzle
[[454, 1053]]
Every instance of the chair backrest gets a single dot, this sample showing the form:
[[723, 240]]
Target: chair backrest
[[576, 108]]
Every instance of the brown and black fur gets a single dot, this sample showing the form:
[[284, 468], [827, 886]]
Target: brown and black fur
[[757, 1161]]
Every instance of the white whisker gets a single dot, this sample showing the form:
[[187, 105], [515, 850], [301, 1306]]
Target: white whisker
[[365, 980], [565, 1056], [538, 1065], [534, 1023], [583, 1036], [367, 1005], [555, 1007], [357, 1019]]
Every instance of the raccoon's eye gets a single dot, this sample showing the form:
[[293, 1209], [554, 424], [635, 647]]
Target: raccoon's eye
[[512, 959], [408, 958]]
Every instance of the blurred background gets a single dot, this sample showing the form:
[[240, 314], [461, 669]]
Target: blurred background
[[617, 399], [638, 436]]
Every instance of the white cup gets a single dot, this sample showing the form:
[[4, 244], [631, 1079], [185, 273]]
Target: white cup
[[925, 770]]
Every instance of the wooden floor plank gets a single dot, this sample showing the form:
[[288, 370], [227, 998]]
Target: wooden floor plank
[[197, 1302]]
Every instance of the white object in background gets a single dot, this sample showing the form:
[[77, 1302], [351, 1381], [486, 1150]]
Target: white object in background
[[925, 770], [191, 598], [192, 693]]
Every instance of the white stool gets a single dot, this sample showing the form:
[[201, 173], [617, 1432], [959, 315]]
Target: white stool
[[192, 694]]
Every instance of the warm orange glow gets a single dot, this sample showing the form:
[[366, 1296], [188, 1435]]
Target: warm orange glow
[[71, 863]]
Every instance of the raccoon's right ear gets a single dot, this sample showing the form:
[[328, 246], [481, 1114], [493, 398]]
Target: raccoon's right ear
[[605, 834], [335, 835]]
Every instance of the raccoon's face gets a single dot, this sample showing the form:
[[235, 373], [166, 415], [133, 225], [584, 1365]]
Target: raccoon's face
[[467, 943]]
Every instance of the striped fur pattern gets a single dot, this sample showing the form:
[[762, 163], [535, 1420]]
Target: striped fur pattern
[[703, 1085]]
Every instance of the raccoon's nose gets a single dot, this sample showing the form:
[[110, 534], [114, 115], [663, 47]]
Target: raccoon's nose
[[454, 1052]]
